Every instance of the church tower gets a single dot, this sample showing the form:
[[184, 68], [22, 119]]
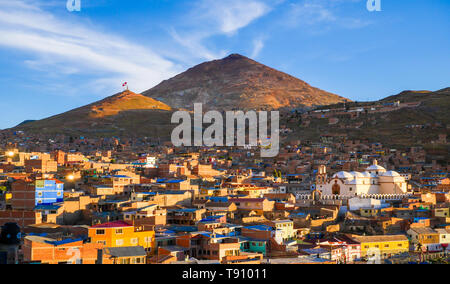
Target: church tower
[[321, 177]]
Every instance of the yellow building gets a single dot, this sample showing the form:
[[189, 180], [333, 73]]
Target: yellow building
[[122, 234], [369, 212], [286, 227], [423, 235], [386, 245], [442, 212]]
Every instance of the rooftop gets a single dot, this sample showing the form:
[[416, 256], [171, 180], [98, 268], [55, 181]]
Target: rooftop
[[116, 224]]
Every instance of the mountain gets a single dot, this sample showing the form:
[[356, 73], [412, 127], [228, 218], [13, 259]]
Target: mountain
[[237, 82], [233, 82], [25, 122], [123, 113]]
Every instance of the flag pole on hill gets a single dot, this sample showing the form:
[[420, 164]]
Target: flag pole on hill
[[125, 85]]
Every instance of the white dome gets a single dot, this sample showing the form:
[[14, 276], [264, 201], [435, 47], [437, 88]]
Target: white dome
[[357, 174], [367, 175], [343, 175], [391, 174], [376, 168]]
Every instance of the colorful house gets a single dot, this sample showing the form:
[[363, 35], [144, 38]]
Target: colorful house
[[122, 234], [254, 245], [384, 246], [38, 249], [49, 192]]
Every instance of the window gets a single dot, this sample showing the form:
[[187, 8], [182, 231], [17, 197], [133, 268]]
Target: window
[[102, 243], [134, 241], [100, 232], [119, 231], [119, 242], [40, 193]]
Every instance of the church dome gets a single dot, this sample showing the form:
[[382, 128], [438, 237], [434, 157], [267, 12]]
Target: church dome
[[375, 167], [343, 175], [357, 174], [391, 174], [366, 175]]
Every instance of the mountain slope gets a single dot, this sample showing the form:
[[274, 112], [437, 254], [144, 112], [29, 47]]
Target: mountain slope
[[123, 113], [238, 82]]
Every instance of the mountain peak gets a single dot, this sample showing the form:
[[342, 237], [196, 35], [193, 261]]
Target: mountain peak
[[125, 101], [235, 56], [238, 81]]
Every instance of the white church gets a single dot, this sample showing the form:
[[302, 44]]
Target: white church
[[375, 180]]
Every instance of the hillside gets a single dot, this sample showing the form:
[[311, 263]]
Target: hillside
[[124, 113], [417, 125]]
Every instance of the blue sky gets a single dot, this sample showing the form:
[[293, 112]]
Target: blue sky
[[53, 60]]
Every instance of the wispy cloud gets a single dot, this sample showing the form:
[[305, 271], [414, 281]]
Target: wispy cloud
[[232, 15], [218, 18], [323, 13], [258, 45], [58, 43]]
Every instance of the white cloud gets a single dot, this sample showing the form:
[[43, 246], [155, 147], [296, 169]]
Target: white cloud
[[322, 12], [258, 45], [194, 42], [211, 18], [233, 15], [58, 43]]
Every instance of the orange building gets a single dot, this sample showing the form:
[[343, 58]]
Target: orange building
[[50, 251], [122, 234]]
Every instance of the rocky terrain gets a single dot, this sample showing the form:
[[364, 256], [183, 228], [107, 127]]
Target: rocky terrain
[[237, 82]]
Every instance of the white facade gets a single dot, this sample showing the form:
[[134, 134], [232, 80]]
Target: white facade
[[357, 203], [150, 162], [375, 180], [444, 236]]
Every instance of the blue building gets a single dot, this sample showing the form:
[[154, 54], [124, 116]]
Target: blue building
[[49, 192]]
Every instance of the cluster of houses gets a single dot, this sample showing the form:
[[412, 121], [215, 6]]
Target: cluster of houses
[[141, 202]]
